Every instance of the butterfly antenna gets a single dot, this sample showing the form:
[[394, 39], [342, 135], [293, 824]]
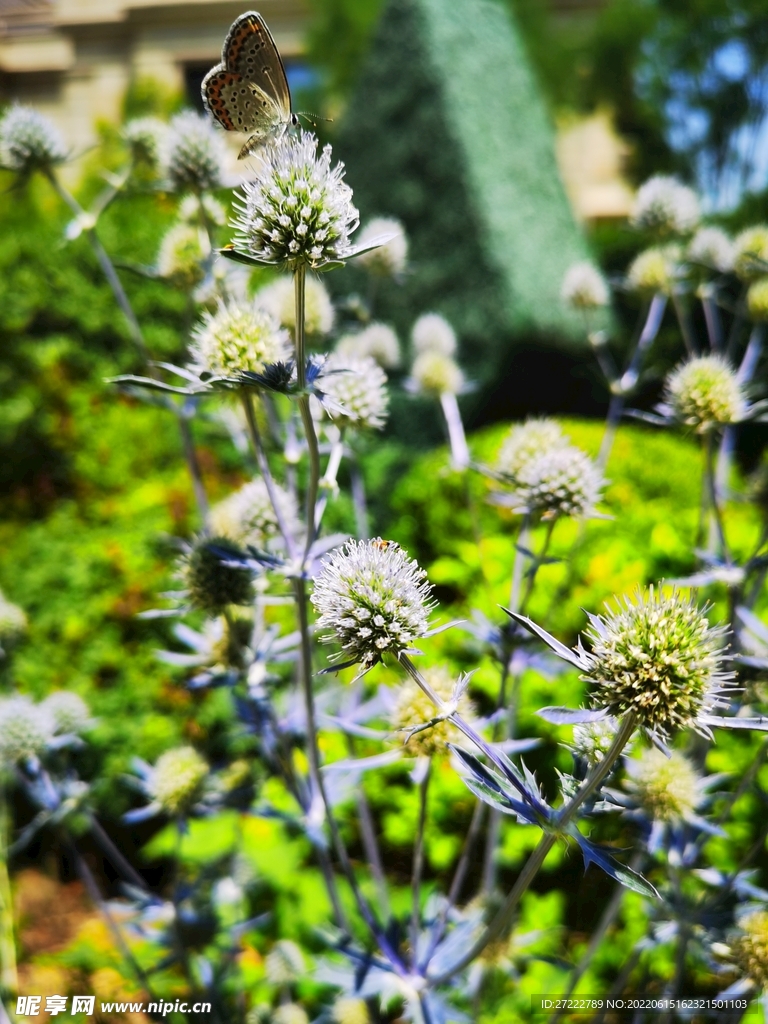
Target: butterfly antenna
[[308, 117]]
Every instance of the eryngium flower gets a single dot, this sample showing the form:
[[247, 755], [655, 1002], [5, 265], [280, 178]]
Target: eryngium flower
[[178, 779], [13, 621], [592, 740], [211, 583], [298, 210], [711, 247], [387, 260], [144, 136], [68, 711], [584, 287], [357, 389], [350, 1011], [290, 1013], [236, 339], [25, 729], [414, 710], [374, 598], [705, 392], [29, 141], [560, 482], [285, 963], [181, 256], [193, 153], [527, 441], [248, 517], [750, 947], [278, 298], [655, 270], [757, 299], [668, 789], [665, 206], [377, 341], [436, 374], [657, 656], [751, 252], [433, 333]]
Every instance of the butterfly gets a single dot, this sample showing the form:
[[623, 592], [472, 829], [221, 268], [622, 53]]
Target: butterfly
[[248, 91]]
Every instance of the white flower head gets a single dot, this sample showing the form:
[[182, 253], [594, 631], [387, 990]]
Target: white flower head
[[285, 963], [668, 789], [192, 153], [357, 391], [593, 740], [584, 287], [248, 517], [181, 255], [666, 206], [705, 393], [298, 209], [433, 333], [25, 729], [527, 441], [750, 947], [193, 206], [68, 711], [178, 779], [562, 481], [655, 270], [13, 621], [144, 137], [29, 141], [373, 598], [377, 341], [436, 374], [388, 260], [751, 252], [278, 298], [711, 247], [237, 338]]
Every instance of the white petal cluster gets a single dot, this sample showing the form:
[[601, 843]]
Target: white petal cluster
[[433, 333], [181, 255], [356, 391], [376, 341], [193, 153], [25, 729], [655, 270], [593, 740], [178, 779], [13, 621], [298, 209], [388, 260], [247, 516], [29, 141], [68, 711], [278, 298], [584, 287], [711, 247], [436, 374], [144, 136], [705, 392], [668, 789], [527, 441], [666, 206], [561, 482], [236, 339], [751, 252], [373, 598]]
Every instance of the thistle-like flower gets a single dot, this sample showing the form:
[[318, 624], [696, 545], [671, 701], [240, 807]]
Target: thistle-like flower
[[356, 392], [374, 599], [193, 153], [705, 393], [13, 622], [237, 338], [29, 141], [298, 210], [584, 287], [178, 780], [25, 729], [563, 481], [414, 713], [666, 207], [656, 270], [435, 374], [757, 299], [711, 247], [278, 298], [211, 583], [144, 137], [248, 517], [751, 252], [285, 963], [657, 656], [749, 947], [68, 711], [388, 260], [433, 333], [181, 256], [350, 1011], [527, 441], [592, 740], [377, 341], [667, 789]]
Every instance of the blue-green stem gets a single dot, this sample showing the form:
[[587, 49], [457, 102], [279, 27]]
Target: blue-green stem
[[418, 864], [299, 283]]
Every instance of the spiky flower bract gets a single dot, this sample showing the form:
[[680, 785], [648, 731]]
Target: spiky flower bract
[[414, 710], [668, 789], [389, 259], [25, 729], [29, 141], [357, 391], [757, 299], [584, 287], [436, 374], [237, 338], [290, 1013], [178, 780], [284, 963], [377, 341], [433, 333], [13, 622], [751, 252], [348, 1010], [705, 393], [144, 137], [373, 598], [666, 207], [657, 656], [750, 947], [592, 740], [211, 583], [655, 270], [712, 248], [298, 209], [278, 298], [193, 153], [562, 481], [527, 441], [68, 711], [181, 256], [248, 516]]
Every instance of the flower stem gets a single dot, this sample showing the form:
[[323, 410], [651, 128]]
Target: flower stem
[[299, 284], [709, 471], [418, 864], [458, 439], [9, 981]]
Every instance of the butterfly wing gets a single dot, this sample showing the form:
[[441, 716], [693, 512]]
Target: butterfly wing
[[250, 51], [239, 105]]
